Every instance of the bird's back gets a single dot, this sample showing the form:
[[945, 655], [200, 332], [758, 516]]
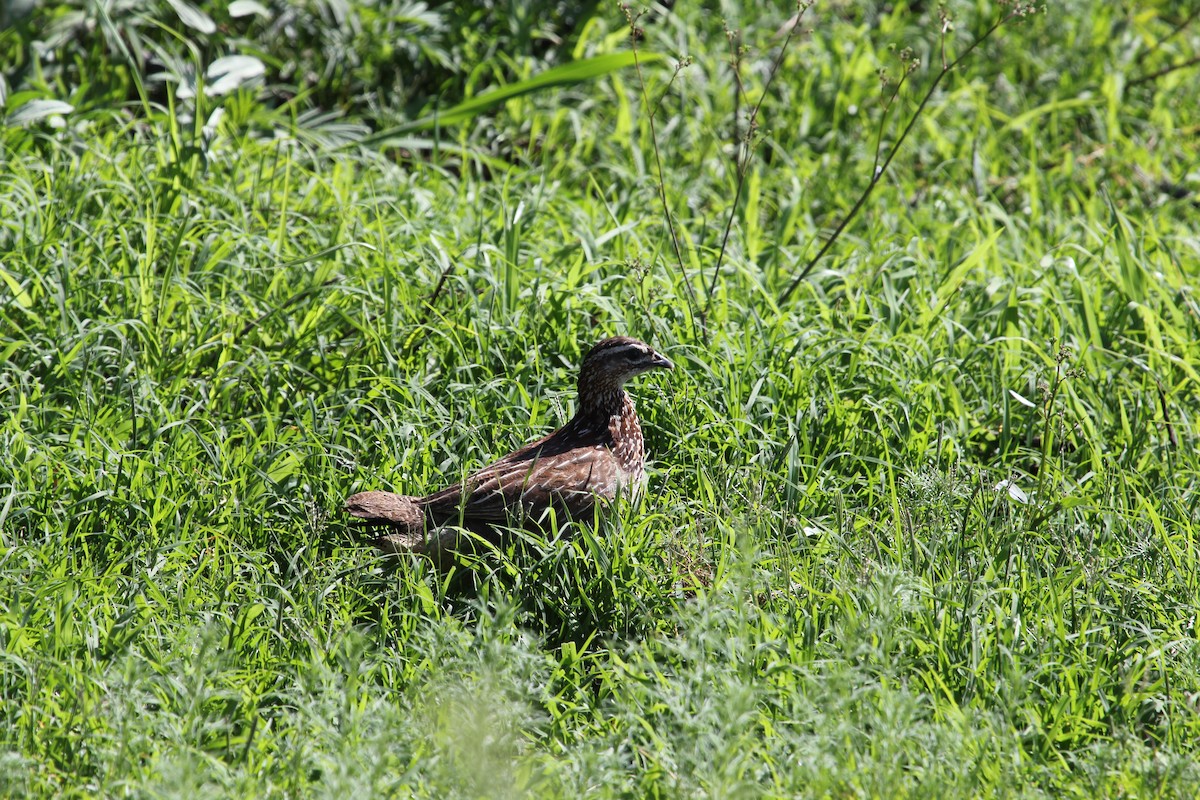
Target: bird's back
[[568, 471]]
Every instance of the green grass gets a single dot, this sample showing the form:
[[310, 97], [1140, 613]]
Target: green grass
[[925, 527]]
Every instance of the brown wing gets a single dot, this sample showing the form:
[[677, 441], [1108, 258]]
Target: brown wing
[[558, 470]]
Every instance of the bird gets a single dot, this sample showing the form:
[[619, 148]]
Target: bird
[[595, 456]]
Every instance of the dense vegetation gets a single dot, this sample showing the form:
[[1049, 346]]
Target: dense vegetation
[[923, 521]]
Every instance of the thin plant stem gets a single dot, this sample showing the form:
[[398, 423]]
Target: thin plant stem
[[1153, 76], [1182, 26], [700, 332], [746, 144], [880, 171]]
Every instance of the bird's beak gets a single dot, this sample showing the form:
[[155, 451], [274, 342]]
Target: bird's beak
[[661, 362]]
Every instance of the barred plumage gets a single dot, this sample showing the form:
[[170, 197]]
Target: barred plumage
[[596, 455]]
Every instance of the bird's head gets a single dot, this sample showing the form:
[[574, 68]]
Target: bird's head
[[613, 361]]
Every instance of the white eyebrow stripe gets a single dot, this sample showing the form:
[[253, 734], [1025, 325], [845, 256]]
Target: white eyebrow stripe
[[622, 348]]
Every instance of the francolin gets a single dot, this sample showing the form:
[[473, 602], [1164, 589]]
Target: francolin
[[595, 456]]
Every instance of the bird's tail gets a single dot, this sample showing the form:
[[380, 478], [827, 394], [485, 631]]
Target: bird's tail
[[400, 514], [385, 508], [399, 525]]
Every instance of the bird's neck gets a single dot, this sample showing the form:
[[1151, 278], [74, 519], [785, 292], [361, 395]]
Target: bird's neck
[[600, 400], [608, 412]]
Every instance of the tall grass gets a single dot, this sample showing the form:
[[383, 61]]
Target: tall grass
[[924, 526]]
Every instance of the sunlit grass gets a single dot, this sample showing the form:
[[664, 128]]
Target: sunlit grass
[[926, 529]]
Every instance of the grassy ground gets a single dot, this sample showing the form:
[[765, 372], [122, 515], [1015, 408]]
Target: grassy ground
[[924, 526]]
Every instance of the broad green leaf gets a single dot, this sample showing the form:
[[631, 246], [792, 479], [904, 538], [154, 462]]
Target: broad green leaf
[[228, 73], [35, 110], [244, 8], [193, 17], [575, 72], [19, 294], [958, 274]]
